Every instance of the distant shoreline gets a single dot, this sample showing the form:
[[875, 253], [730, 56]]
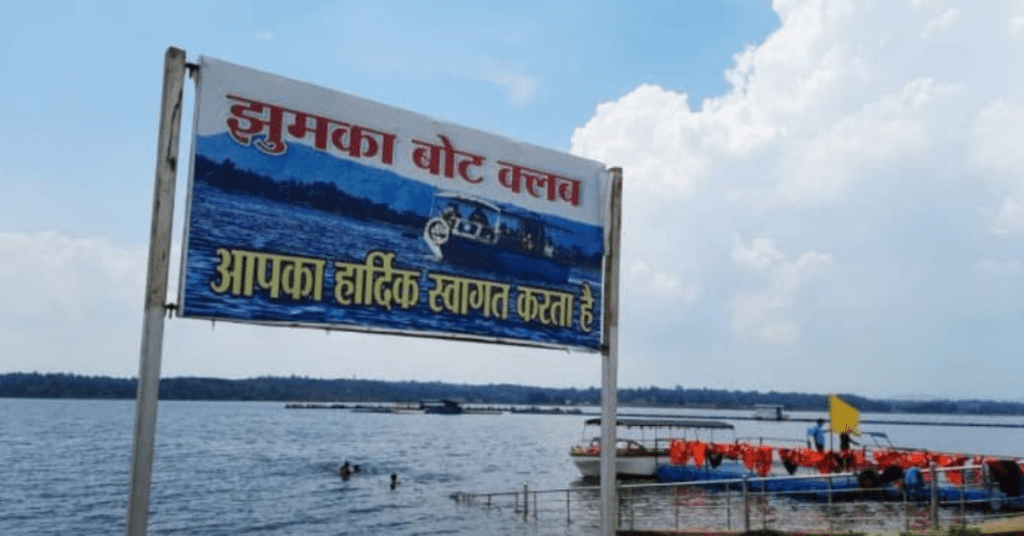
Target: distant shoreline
[[310, 390]]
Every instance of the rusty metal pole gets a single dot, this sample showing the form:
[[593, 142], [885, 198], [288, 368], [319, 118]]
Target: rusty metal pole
[[156, 293]]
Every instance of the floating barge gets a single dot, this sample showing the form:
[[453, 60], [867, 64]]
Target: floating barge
[[418, 407]]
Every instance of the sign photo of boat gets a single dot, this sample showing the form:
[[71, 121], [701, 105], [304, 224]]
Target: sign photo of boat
[[470, 231]]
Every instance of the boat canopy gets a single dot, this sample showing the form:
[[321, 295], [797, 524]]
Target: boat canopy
[[466, 198], [666, 423]]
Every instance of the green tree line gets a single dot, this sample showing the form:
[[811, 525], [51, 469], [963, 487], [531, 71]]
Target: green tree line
[[302, 389]]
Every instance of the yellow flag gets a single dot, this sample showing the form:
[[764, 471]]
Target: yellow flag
[[845, 418]]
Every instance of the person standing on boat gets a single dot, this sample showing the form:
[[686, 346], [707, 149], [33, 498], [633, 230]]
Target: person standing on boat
[[845, 441], [846, 458], [818, 433]]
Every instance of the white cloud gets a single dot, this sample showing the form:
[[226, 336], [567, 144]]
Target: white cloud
[[996, 157], [652, 134], [760, 254], [661, 285], [769, 314], [520, 87], [1016, 27], [941, 22], [998, 267], [820, 106], [49, 273], [64, 300], [882, 133]]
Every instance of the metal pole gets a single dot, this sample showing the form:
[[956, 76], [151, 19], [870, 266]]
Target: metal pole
[[676, 501], [632, 512], [763, 502], [156, 293], [746, 505], [906, 511], [728, 507], [568, 509], [526, 500], [610, 358], [831, 512], [935, 498], [963, 498]]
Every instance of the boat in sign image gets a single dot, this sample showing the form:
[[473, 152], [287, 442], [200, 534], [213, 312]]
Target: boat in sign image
[[465, 230]]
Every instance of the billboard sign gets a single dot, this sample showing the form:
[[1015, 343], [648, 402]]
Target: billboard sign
[[311, 207]]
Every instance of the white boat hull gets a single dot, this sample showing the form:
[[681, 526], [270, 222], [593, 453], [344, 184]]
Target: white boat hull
[[635, 466]]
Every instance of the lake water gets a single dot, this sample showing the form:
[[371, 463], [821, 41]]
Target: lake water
[[258, 468]]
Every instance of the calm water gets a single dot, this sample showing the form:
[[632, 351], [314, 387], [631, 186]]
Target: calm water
[[257, 468]]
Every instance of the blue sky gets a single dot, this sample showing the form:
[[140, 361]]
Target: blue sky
[[820, 196]]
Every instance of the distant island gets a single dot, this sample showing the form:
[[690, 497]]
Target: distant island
[[301, 389]]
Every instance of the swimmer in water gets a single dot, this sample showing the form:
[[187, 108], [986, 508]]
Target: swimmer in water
[[394, 481]]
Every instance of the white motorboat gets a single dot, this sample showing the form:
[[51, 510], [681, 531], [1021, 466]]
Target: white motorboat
[[642, 444]]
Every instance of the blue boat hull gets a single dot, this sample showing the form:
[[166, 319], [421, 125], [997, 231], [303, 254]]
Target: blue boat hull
[[843, 487], [497, 259]]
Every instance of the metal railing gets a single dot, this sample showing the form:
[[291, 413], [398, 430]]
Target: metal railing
[[748, 504]]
